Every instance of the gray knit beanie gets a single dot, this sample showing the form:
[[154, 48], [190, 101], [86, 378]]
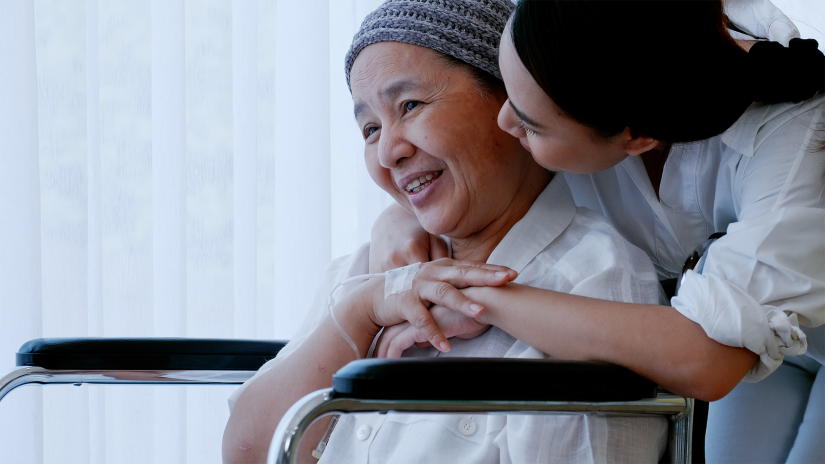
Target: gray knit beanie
[[468, 30]]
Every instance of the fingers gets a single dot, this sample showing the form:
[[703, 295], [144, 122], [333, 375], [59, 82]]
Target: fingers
[[470, 274], [387, 336], [438, 248], [401, 342], [444, 294], [422, 320]]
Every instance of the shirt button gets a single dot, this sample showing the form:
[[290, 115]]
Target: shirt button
[[466, 427], [364, 432]]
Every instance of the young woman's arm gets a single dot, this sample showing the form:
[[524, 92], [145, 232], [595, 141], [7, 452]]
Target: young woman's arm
[[655, 341], [398, 240]]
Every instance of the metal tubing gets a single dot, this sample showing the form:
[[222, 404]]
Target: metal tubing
[[287, 436], [14, 379], [26, 375], [681, 451]]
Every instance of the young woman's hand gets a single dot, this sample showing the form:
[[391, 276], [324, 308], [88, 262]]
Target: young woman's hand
[[398, 240], [395, 339], [436, 283]]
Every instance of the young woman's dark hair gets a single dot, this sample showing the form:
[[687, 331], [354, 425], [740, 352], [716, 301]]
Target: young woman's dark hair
[[666, 69]]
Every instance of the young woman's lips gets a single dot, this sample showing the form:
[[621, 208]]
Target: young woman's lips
[[524, 144], [419, 191]]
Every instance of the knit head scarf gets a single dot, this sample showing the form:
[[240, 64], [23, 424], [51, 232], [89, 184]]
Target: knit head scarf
[[469, 30]]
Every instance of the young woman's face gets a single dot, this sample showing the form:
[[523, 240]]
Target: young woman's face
[[556, 141], [431, 138]]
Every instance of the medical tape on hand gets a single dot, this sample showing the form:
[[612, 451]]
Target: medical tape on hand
[[399, 280], [331, 303]]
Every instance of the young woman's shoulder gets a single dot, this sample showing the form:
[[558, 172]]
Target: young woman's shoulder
[[763, 122], [782, 162]]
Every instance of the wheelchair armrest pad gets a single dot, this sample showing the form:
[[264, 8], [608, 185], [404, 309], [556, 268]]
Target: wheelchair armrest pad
[[489, 379], [148, 353]]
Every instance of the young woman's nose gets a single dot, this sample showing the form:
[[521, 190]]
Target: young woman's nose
[[393, 147], [508, 121]]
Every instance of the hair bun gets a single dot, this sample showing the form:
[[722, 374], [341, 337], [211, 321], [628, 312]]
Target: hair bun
[[779, 74]]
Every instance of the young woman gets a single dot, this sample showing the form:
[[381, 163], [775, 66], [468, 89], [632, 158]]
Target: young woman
[[661, 122]]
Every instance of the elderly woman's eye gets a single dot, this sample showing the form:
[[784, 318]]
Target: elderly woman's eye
[[411, 105], [369, 131]]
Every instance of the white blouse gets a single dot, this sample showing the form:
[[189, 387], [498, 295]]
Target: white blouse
[[762, 182], [555, 246]]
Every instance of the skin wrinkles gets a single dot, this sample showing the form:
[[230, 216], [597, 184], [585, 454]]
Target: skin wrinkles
[[390, 92], [481, 192]]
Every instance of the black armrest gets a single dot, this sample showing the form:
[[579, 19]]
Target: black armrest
[[148, 353], [485, 379]]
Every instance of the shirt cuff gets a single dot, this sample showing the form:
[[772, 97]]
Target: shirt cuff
[[732, 317]]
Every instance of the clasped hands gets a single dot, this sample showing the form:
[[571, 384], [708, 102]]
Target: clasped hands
[[439, 305]]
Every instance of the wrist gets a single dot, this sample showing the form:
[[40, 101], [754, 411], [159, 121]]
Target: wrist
[[484, 297], [355, 313]]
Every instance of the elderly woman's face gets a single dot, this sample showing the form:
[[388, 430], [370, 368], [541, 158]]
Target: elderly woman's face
[[432, 141]]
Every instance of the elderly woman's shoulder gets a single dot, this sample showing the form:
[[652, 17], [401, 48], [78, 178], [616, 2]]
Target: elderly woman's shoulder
[[591, 258], [590, 243], [591, 224], [344, 267]]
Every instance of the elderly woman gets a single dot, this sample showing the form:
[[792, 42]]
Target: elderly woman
[[426, 91]]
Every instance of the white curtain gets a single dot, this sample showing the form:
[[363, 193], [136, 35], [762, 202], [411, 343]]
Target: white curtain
[[172, 168], [167, 168]]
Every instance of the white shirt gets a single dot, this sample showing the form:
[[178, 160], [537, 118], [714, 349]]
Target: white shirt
[[555, 246], [763, 182], [760, 18]]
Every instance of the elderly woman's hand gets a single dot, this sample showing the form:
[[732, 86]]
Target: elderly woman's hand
[[399, 240], [394, 340], [437, 283]]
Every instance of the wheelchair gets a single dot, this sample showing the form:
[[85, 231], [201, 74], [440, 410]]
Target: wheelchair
[[369, 385], [375, 385]]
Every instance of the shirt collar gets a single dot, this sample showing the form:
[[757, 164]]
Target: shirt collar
[[759, 121], [547, 218], [741, 136]]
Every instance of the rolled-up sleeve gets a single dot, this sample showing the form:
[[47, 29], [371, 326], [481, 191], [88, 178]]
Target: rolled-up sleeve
[[764, 281]]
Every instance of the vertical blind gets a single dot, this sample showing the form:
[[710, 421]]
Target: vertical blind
[[172, 168], [167, 168]]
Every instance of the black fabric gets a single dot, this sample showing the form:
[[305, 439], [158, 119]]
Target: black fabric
[[779, 74], [700, 426], [669, 286], [487, 379], [148, 353]]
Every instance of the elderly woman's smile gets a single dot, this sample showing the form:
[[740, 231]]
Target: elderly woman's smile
[[419, 182], [432, 142]]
